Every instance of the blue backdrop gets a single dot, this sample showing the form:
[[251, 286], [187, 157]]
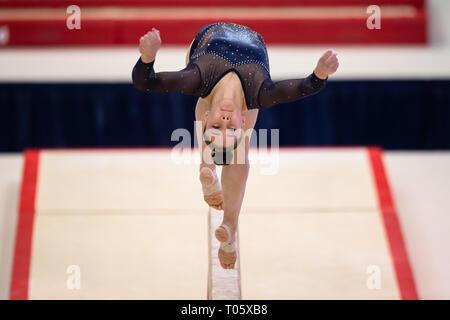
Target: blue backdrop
[[393, 114]]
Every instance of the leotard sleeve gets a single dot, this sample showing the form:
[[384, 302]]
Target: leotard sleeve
[[185, 81], [272, 93]]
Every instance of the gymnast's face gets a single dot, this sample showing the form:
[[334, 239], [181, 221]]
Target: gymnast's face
[[223, 124]]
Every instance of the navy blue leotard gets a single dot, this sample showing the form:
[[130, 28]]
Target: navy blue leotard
[[225, 47]]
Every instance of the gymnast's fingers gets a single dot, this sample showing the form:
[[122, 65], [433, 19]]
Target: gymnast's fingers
[[326, 55], [331, 59], [158, 35], [336, 67], [152, 34], [333, 67], [156, 31]]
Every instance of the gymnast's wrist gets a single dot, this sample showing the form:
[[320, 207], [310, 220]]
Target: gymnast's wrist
[[147, 59], [320, 75]]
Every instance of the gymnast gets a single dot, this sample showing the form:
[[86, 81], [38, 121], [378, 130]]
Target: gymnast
[[227, 67]]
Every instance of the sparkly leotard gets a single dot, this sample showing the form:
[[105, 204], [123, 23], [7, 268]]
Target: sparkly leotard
[[220, 48]]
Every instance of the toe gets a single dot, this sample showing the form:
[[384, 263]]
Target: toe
[[227, 260]]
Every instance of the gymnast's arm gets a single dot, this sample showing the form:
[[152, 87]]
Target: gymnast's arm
[[146, 79], [272, 93]]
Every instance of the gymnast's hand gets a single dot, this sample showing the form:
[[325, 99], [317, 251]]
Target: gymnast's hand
[[327, 65], [149, 44]]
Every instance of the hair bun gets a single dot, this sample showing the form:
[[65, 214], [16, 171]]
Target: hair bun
[[222, 157]]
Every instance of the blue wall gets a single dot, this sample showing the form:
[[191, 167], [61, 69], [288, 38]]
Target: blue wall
[[393, 114]]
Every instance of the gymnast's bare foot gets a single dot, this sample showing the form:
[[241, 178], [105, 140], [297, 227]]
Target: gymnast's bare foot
[[212, 191]]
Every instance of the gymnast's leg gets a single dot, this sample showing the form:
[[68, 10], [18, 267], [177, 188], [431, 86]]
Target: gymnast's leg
[[234, 179], [212, 189]]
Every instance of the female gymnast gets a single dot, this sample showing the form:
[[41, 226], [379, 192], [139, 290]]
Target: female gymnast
[[227, 67]]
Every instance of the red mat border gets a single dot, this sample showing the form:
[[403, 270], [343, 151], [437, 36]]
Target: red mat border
[[392, 227], [23, 245], [22, 252], [196, 3], [110, 32]]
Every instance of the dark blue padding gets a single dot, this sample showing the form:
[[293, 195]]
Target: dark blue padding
[[393, 114]]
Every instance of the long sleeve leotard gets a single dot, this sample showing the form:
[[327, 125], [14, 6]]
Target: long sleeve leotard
[[221, 48]]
